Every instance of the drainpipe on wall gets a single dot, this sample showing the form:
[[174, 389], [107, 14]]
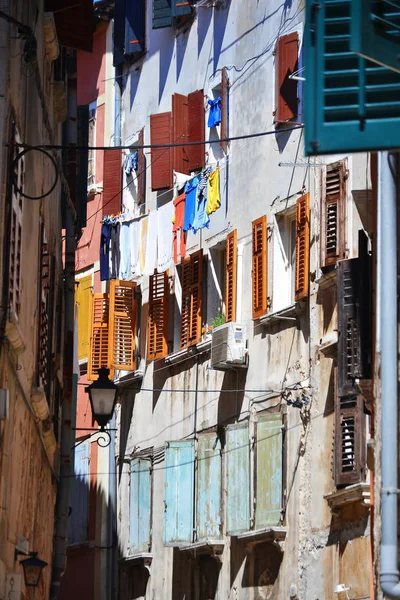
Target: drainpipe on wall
[[387, 315]]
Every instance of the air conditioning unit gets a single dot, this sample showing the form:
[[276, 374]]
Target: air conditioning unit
[[228, 346]]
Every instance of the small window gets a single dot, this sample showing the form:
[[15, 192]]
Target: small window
[[287, 102], [216, 298], [284, 260]]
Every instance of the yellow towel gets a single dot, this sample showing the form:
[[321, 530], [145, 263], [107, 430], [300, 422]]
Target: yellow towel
[[213, 199]]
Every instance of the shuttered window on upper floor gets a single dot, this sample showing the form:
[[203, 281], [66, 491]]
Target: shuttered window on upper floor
[[192, 299], [168, 12], [141, 175], [157, 325], [83, 299], [268, 474], [129, 39], [333, 213], [302, 247], [112, 182], [259, 267], [231, 276], [161, 158], [237, 460], [122, 325], [14, 186], [99, 337], [188, 123], [287, 49], [140, 506]]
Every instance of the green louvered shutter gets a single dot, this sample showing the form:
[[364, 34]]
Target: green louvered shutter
[[375, 31], [180, 8], [350, 104], [162, 13]]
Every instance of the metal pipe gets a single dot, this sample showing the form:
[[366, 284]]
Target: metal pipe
[[387, 290]]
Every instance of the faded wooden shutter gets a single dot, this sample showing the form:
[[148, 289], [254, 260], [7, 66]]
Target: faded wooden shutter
[[224, 107], [259, 240], [209, 490], [302, 247], [78, 521], [287, 63], [84, 302], [160, 133], [349, 439], [333, 214], [269, 470], [141, 176], [158, 317], [162, 13], [179, 493], [140, 506], [112, 182], [122, 325], [180, 159], [99, 339], [135, 36], [237, 455], [192, 291], [196, 130], [180, 8], [231, 270]]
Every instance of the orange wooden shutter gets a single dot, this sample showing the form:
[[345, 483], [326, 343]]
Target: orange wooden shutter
[[231, 266], [99, 339], [302, 247], [160, 133], [192, 293], [196, 129], [157, 346], [259, 267], [286, 64], [180, 159], [333, 214], [224, 107], [122, 325], [112, 184]]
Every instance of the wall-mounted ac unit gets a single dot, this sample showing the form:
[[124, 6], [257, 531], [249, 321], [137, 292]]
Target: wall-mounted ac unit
[[228, 346]]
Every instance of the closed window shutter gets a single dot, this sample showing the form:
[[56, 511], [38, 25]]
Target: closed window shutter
[[196, 130], [141, 176], [259, 239], [349, 440], [135, 37], [333, 214], [269, 454], [84, 302], [209, 479], [140, 506], [224, 107], [231, 270], [180, 8], [112, 182], [162, 13], [237, 457], [99, 339], [122, 325], [180, 159], [287, 64], [192, 293], [158, 315], [160, 133], [302, 247]]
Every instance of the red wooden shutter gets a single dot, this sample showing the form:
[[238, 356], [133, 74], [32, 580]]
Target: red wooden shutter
[[112, 182], [224, 107], [180, 160], [141, 170], [160, 133], [157, 324], [349, 440], [98, 350], [259, 235], [122, 325], [196, 130], [333, 214], [287, 51], [231, 267], [192, 294], [302, 247]]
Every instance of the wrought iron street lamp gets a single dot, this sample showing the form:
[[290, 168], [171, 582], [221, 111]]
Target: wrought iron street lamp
[[33, 568]]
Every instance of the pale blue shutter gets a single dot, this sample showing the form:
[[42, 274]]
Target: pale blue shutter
[[140, 506], [269, 470], [237, 478], [208, 487], [179, 493], [78, 521]]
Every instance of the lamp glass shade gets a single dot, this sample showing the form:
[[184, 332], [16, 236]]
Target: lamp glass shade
[[102, 394], [33, 568]]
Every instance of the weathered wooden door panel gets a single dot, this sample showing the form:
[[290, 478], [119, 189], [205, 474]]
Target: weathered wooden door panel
[[269, 471], [178, 496], [208, 487], [237, 479], [140, 506]]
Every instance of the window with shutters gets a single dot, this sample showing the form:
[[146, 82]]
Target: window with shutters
[[268, 470], [231, 276], [161, 158], [83, 301], [17, 205], [237, 459], [157, 325], [350, 461], [259, 267], [215, 290], [122, 325], [188, 124], [287, 103], [140, 506], [333, 213], [112, 182], [192, 298], [129, 39], [91, 178], [134, 179], [171, 12], [99, 338]]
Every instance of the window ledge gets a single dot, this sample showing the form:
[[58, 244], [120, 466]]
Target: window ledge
[[210, 546], [177, 357], [205, 345], [132, 377], [140, 558], [275, 535], [95, 188], [328, 345], [359, 492], [327, 279], [289, 313]]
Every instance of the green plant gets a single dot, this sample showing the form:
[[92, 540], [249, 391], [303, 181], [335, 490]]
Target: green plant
[[218, 320]]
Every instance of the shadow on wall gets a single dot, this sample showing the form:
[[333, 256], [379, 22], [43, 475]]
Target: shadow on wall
[[260, 566], [194, 578]]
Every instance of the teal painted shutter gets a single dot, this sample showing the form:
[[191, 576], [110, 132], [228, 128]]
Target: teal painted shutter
[[180, 8], [135, 16], [237, 479], [78, 521], [208, 487], [119, 32], [162, 14], [350, 104], [179, 493], [269, 471], [140, 506], [83, 162]]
